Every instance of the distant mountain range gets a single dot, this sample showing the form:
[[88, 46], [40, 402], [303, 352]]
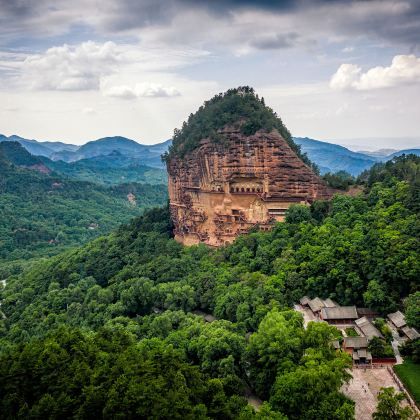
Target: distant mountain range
[[143, 154], [124, 152], [333, 157]]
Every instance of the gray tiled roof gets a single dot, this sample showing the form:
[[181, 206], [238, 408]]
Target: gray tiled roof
[[316, 304], [340, 312], [362, 353], [355, 342], [411, 333], [305, 300], [329, 303], [397, 318], [367, 328]]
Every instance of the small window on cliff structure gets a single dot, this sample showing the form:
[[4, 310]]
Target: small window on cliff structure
[[247, 190], [242, 189], [253, 190]]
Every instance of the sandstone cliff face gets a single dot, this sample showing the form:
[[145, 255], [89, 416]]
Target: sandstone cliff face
[[220, 190]]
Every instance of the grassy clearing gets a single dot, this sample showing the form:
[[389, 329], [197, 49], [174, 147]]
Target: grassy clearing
[[409, 373], [351, 332]]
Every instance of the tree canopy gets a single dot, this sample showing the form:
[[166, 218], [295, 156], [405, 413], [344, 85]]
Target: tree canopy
[[115, 328]]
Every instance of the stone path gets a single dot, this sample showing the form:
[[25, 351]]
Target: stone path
[[396, 342], [364, 387]]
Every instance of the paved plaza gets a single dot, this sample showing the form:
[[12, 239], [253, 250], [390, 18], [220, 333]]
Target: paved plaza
[[364, 387]]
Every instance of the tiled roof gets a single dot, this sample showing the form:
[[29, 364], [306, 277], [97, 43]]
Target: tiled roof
[[316, 304], [411, 333], [329, 303], [355, 342], [370, 313], [340, 312], [367, 328], [397, 318], [304, 301], [362, 352]]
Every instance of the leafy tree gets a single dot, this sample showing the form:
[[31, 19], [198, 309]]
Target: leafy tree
[[379, 348], [340, 180], [377, 297], [384, 329], [275, 347], [298, 213], [312, 390], [389, 406], [411, 348], [320, 335], [412, 310]]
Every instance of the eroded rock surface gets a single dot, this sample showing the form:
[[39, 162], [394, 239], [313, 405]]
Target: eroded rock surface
[[220, 190]]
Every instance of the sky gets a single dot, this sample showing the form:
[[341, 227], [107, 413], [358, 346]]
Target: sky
[[342, 71]]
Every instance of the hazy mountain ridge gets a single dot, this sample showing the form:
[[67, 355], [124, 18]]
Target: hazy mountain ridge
[[328, 156], [111, 169], [148, 155], [333, 158], [380, 153], [405, 151]]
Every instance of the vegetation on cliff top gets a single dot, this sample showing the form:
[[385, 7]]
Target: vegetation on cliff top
[[241, 108]]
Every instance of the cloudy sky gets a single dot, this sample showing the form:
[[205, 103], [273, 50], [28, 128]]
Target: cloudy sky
[[83, 69]]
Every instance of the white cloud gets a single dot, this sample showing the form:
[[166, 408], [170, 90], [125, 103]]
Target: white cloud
[[404, 70], [345, 77], [71, 67], [149, 90], [85, 66]]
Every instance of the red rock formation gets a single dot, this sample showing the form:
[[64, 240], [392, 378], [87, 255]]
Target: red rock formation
[[220, 190]]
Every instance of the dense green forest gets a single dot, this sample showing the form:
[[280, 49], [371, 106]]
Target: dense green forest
[[43, 213], [240, 107], [109, 329]]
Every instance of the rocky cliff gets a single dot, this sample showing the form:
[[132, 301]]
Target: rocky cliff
[[221, 189]]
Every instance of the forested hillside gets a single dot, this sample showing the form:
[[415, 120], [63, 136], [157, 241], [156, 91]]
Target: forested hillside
[[108, 330], [42, 212]]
